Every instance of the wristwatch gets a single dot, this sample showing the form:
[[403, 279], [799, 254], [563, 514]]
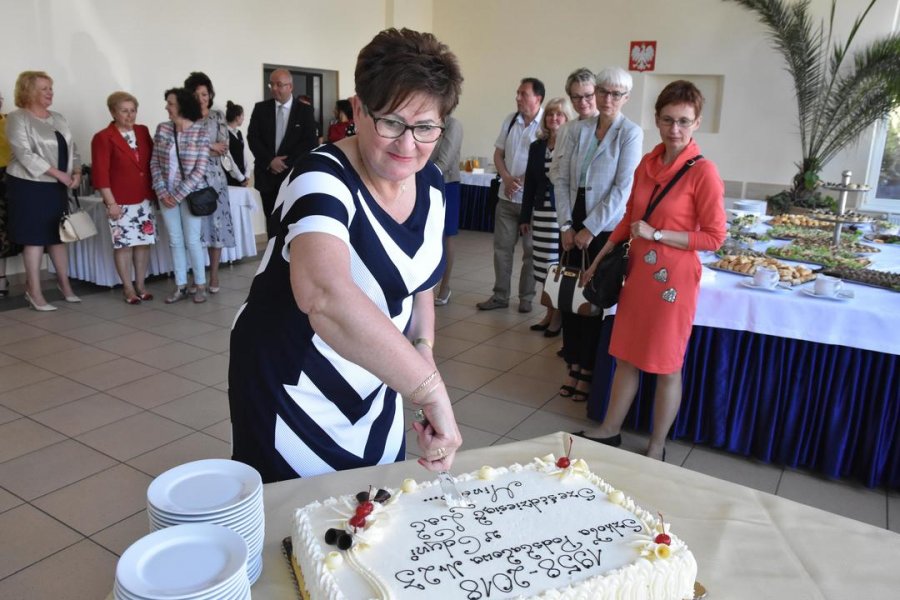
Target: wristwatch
[[566, 226], [657, 235]]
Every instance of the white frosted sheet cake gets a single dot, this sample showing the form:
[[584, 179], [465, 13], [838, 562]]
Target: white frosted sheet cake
[[534, 531]]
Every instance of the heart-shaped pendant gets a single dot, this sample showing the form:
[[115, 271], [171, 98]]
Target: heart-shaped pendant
[[662, 275], [650, 257], [669, 295]]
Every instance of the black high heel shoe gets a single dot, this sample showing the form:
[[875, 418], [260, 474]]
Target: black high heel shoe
[[540, 326], [582, 395], [4, 286], [566, 391]]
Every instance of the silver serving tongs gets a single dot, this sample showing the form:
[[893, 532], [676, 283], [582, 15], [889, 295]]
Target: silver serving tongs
[[448, 485]]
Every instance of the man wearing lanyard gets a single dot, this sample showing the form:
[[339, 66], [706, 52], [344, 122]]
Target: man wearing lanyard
[[517, 133]]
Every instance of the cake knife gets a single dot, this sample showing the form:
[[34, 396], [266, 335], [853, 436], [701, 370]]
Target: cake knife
[[448, 485]]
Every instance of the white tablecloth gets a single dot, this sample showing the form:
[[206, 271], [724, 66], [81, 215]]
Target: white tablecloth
[[92, 259], [748, 544], [479, 179], [871, 320]]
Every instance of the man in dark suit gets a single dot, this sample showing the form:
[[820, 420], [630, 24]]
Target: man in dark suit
[[281, 130]]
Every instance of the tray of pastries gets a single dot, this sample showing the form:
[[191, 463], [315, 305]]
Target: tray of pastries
[[795, 232], [800, 221], [846, 245], [883, 238], [823, 214], [828, 256], [879, 279], [747, 265]]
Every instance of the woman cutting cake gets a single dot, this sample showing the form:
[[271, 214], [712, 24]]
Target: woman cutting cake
[[340, 317]]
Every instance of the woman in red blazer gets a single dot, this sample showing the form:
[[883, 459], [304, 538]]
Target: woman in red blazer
[[121, 171]]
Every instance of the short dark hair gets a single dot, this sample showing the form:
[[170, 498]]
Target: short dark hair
[[537, 86], [188, 106], [680, 91], [232, 111], [344, 107], [198, 78], [399, 63]]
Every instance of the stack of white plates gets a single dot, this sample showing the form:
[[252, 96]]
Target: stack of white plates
[[219, 491], [188, 562]]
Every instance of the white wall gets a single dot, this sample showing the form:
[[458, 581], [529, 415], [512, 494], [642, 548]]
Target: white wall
[[501, 41], [92, 47]]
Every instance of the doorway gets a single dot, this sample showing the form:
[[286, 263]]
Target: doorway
[[318, 85]]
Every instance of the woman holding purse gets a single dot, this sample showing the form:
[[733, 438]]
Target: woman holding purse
[[44, 167], [178, 165], [657, 304], [594, 179]]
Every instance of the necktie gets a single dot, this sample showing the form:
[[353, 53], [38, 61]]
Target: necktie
[[280, 125]]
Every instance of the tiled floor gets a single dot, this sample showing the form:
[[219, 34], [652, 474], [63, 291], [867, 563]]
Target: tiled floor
[[98, 398]]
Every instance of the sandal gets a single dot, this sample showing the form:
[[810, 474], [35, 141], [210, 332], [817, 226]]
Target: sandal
[[133, 299], [582, 395], [567, 391], [145, 296]]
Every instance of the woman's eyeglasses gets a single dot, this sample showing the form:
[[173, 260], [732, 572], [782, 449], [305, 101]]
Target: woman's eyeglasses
[[601, 92], [683, 122], [392, 129], [585, 98]]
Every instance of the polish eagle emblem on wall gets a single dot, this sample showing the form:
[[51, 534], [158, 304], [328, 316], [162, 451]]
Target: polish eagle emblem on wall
[[642, 56]]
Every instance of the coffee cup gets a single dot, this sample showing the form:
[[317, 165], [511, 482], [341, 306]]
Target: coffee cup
[[827, 285], [765, 277]]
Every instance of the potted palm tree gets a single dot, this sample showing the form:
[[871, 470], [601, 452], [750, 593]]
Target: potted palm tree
[[839, 95]]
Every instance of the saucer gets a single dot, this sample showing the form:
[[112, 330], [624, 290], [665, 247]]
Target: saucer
[[841, 296], [778, 287]]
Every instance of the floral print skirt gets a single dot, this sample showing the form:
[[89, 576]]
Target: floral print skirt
[[136, 226]]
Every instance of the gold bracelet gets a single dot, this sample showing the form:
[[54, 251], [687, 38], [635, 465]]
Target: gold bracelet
[[424, 342], [423, 389]]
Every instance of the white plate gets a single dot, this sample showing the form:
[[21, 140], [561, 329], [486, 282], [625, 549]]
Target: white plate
[[183, 562], [842, 296], [748, 282], [204, 487], [219, 518], [254, 568]]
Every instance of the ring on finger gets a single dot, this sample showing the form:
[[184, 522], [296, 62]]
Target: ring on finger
[[441, 453]]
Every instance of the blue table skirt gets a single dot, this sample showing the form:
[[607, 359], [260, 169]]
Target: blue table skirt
[[474, 209], [830, 409]]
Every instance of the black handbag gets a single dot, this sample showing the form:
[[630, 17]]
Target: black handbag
[[606, 283], [202, 202]]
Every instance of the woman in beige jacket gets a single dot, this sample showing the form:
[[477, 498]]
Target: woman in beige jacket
[[44, 166]]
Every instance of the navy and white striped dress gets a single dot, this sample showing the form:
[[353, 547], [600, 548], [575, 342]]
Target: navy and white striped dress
[[298, 408], [545, 229]]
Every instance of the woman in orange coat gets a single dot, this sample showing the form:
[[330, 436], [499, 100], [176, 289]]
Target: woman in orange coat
[[121, 172], [656, 308]]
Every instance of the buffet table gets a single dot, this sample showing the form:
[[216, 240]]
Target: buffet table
[[748, 544], [786, 378], [92, 259], [474, 208]]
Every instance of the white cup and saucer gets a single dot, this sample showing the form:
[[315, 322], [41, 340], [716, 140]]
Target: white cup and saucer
[[831, 288], [764, 278]]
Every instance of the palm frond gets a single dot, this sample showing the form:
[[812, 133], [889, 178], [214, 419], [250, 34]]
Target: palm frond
[[837, 98]]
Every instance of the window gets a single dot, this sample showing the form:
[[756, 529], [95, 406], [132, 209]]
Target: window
[[885, 173]]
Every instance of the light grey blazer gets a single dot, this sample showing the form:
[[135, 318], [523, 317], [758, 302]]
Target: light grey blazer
[[34, 146], [610, 172]]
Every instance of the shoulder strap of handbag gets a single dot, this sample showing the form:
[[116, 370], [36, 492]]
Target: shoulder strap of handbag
[[69, 203], [508, 129], [178, 154], [654, 202]]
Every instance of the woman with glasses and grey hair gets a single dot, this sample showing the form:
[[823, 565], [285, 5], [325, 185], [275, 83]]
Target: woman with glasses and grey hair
[[596, 169], [339, 322]]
